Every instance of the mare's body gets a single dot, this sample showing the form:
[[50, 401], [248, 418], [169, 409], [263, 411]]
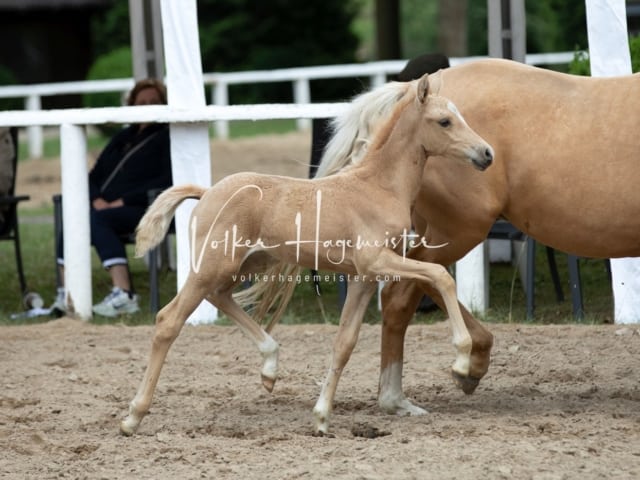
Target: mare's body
[[566, 172]]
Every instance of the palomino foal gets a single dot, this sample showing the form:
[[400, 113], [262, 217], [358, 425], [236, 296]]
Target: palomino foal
[[356, 222]]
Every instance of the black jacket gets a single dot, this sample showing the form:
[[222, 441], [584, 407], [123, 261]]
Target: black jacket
[[147, 168]]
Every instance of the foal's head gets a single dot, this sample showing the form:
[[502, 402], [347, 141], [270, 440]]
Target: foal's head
[[442, 131]]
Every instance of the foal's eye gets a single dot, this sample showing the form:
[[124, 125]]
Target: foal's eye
[[444, 123]]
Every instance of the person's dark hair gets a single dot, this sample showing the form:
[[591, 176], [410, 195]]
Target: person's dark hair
[[418, 66], [147, 83]]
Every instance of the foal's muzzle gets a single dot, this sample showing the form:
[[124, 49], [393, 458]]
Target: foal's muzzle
[[482, 158]]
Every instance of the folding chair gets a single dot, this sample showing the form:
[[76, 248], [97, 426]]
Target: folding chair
[[9, 204], [504, 230], [129, 238]]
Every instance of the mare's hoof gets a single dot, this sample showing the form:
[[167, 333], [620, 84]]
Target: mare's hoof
[[268, 383], [468, 384]]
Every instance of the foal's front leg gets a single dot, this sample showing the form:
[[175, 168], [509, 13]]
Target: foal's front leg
[[437, 276], [358, 297]]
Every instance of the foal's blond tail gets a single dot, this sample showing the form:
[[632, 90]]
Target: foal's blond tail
[[156, 221], [270, 293]]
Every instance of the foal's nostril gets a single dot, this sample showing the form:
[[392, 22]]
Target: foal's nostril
[[488, 155]]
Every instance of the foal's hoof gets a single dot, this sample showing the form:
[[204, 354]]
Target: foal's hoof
[[127, 427], [468, 384], [268, 383]]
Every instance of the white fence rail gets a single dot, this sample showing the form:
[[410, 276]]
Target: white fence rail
[[73, 137], [220, 82]]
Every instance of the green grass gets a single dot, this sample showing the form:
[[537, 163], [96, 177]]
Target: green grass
[[51, 145], [507, 299], [249, 128], [36, 232], [96, 140]]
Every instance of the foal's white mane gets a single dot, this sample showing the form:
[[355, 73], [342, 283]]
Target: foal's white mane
[[351, 132]]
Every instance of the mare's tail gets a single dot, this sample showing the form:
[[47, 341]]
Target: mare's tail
[[156, 221]]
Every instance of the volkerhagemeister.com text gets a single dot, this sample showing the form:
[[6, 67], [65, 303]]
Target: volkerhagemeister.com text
[[317, 278]]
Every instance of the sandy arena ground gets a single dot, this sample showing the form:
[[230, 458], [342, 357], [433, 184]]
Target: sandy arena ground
[[559, 402]]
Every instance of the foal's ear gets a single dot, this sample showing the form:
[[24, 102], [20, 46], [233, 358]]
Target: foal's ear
[[423, 88]]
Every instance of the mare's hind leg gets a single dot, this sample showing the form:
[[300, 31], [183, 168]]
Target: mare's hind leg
[[399, 303], [266, 344], [438, 277], [169, 322], [358, 296]]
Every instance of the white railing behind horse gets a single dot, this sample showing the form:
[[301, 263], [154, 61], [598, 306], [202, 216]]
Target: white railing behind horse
[[376, 71], [75, 191]]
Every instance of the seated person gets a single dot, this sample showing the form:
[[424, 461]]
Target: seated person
[[136, 160], [7, 152], [426, 63]]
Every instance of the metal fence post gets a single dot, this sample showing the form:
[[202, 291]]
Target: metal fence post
[[301, 95], [34, 133], [221, 97]]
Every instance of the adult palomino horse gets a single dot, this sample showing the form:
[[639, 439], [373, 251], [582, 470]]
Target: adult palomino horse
[[566, 172], [355, 222]]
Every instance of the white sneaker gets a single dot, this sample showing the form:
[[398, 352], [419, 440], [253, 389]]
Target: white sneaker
[[117, 303]]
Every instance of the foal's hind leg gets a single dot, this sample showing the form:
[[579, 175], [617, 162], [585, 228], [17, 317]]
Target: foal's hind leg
[[169, 322], [266, 344], [358, 296]]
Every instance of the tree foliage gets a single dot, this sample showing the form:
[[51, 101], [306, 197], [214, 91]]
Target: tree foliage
[[240, 35], [552, 26], [580, 65]]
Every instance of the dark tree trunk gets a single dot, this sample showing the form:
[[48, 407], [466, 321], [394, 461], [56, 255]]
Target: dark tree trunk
[[388, 29], [452, 27]]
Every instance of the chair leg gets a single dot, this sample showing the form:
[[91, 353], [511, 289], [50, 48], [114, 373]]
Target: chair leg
[[530, 278], [553, 269], [576, 290], [342, 291], [16, 242], [57, 234], [607, 266]]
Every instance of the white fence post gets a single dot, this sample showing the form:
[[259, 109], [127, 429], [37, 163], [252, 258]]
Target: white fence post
[[221, 97], [609, 56], [75, 211], [302, 95], [190, 150], [472, 279], [378, 79], [34, 133]]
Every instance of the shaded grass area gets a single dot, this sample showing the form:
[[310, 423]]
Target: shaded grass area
[[507, 298], [37, 239], [96, 140], [249, 128]]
